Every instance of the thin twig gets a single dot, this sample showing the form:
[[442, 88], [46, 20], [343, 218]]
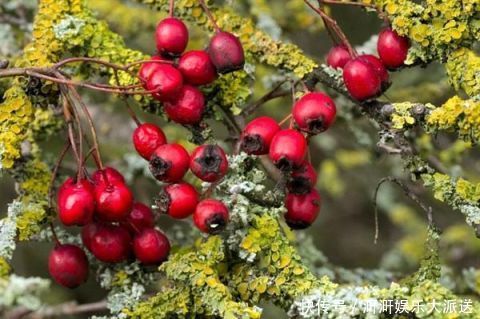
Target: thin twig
[[209, 15]]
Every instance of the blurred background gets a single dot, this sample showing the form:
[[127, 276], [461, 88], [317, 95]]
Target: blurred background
[[349, 163]]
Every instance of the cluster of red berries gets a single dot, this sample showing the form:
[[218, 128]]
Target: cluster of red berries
[[366, 76], [287, 148], [114, 227], [174, 77]]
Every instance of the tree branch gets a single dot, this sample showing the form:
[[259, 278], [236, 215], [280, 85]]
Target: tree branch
[[70, 308]]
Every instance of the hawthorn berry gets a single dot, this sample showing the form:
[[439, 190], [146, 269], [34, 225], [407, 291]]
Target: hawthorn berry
[[111, 244], [178, 200], [302, 209], [76, 202], [378, 66], [361, 79], [226, 52], [197, 68], [151, 246], [258, 134], [303, 179], [338, 56], [88, 231], [114, 201], [148, 68], [188, 106], [211, 216], [287, 150], [146, 138], [171, 36], [209, 163], [392, 48], [68, 265], [107, 175], [166, 81], [314, 112], [169, 163], [139, 218]]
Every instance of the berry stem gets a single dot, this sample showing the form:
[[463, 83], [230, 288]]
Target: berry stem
[[55, 172], [125, 100], [171, 8], [68, 118], [289, 116], [54, 234], [334, 25], [209, 15]]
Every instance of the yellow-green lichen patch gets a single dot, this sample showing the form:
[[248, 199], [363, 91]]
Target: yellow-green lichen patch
[[463, 69]]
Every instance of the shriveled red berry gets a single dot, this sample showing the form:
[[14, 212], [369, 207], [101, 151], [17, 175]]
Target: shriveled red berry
[[287, 150], [111, 244], [178, 200], [108, 174], [114, 201], [68, 265], [338, 56], [166, 81], [302, 209], [303, 179], [314, 112], [171, 36], [187, 107], [209, 163], [258, 134], [226, 52], [211, 216], [151, 246], [361, 79], [148, 68], [169, 163], [88, 231], [392, 48], [197, 67], [139, 218], [146, 138], [76, 202], [377, 65]]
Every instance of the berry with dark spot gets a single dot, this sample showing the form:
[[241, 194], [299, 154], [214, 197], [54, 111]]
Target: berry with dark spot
[[287, 150], [169, 163], [314, 112], [68, 265], [226, 52], [258, 134], [178, 200], [209, 163], [303, 179], [302, 209], [211, 216]]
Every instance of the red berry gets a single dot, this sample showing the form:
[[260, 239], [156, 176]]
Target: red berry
[[226, 52], [88, 231], [211, 216], [178, 200], [167, 82], [151, 246], [361, 79], [114, 201], [392, 48], [338, 56], [377, 65], [68, 265], [111, 244], [108, 174], [209, 163], [139, 218], [302, 209], [258, 134], [148, 68], [303, 179], [187, 107], [197, 68], [169, 163], [146, 138], [314, 112], [287, 150], [171, 37], [76, 202]]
